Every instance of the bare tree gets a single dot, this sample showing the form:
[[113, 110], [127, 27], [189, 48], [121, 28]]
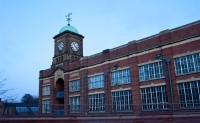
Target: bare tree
[[11, 98]]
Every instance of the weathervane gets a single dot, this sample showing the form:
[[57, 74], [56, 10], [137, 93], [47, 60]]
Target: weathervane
[[68, 18]]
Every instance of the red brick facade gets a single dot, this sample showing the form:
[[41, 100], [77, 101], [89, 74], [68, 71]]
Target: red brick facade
[[168, 43]]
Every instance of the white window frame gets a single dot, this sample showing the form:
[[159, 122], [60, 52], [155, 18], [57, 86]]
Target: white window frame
[[96, 81], [122, 105], [187, 64], [151, 71], [46, 106], [46, 90], [187, 96], [120, 77], [74, 85], [74, 103], [97, 102], [154, 98]]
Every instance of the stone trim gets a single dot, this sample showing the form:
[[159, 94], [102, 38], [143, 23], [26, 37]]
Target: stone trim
[[46, 84], [188, 80], [58, 74], [121, 68], [121, 89], [74, 95], [46, 78], [96, 74], [148, 51], [187, 53], [46, 81], [96, 92], [152, 85], [149, 62], [74, 75], [78, 78], [46, 98], [60, 64]]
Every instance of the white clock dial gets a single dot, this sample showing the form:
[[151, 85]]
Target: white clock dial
[[75, 46], [60, 46]]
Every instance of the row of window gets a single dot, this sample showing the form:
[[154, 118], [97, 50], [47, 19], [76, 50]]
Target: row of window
[[151, 97], [185, 64], [119, 77]]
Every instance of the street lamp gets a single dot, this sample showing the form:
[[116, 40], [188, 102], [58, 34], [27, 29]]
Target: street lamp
[[106, 81], [167, 60]]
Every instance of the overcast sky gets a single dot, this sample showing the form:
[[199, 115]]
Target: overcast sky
[[27, 28]]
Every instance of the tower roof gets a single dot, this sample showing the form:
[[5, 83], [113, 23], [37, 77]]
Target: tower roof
[[69, 28]]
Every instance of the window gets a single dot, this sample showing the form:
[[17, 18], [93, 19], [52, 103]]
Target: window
[[74, 85], [189, 94], [154, 98], [96, 102], [46, 106], [46, 90], [96, 82], [121, 77], [74, 104], [188, 64], [151, 71], [122, 100]]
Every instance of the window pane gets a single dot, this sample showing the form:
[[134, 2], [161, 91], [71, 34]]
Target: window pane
[[151, 71], [96, 82], [74, 85], [46, 90], [154, 98], [187, 64], [189, 94], [122, 100], [120, 77], [74, 103], [96, 102]]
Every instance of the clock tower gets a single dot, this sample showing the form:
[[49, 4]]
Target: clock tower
[[68, 44]]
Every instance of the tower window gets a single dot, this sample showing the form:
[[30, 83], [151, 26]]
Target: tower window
[[59, 59]]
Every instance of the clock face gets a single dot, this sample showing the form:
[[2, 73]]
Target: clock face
[[75, 46], [60, 46]]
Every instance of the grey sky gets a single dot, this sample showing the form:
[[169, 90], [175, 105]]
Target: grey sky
[[27, 28]]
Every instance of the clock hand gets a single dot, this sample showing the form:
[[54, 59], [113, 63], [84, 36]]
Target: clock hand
[[74, 45]]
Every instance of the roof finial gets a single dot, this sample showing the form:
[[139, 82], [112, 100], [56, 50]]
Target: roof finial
[[68, 18]]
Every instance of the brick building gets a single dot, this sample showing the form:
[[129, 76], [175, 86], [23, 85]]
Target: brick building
[[159, 72]]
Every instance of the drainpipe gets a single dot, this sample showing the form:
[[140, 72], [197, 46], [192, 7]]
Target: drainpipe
[[167, 60], [84, 90], [106, 82]]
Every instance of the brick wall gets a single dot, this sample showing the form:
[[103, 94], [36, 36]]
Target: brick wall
[[168, 43]]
